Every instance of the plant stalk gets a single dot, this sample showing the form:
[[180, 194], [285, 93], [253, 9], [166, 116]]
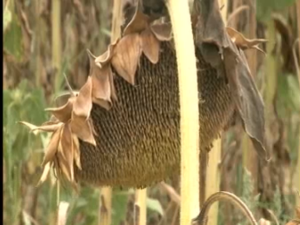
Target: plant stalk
[[189, 111]]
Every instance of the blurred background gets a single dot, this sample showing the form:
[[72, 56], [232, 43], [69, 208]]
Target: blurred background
[[45, 39]]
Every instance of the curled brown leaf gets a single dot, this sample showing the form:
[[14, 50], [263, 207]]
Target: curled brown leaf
[[243, 42], [52, 147], [150, 46], [83, 102], [126, 57], [64, 112], [45, 173], [47, 127], [162, 31], [76, 151], [81, 127], [138, 23]]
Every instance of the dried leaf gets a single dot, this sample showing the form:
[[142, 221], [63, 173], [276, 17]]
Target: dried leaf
[[138, 23], [66, 143], [64, 112], [46, 127], [106, 56], [52, 147], [64, 98], [45, 173], [218, 49], [33, 128], [243, 42], [150, 46], [126, 57], [112, 87], [83, 102], [162, 31], [101, 78], [105, 104], [76, 151], [82, 128], [63, 166]]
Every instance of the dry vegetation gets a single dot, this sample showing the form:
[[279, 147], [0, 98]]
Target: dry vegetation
[[45, 40]]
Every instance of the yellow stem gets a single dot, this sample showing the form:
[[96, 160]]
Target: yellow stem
[[189, 111], [105, 206], [140, 206]]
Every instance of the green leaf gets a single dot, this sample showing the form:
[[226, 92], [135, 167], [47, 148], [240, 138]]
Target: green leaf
[[154, 204]]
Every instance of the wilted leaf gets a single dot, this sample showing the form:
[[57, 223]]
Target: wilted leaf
[[101, 80], [67, 143], [106, 56], [138, 23], [45, 173], [82, 128], [150, 46], [52, 147], [63, 166], [64, 112], [76, 151], [242, 42], [247, 98], [162, 31], [218, 49], [64, 98], [47, 127], [83, 102], [126, 56]]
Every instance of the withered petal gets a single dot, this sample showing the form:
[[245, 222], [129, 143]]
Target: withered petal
[[64, 167], [105, 104], [32, 127], [150, 46], [76, 151], [112, 87], [101, 83], [52, 146], [126, 57], [162, 31], [83, 102], [66, 142], [106, 56], [51, 121], [45, 174], [138, 23], [243, 42], [81, 127], [64, 98], [64, 112]]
